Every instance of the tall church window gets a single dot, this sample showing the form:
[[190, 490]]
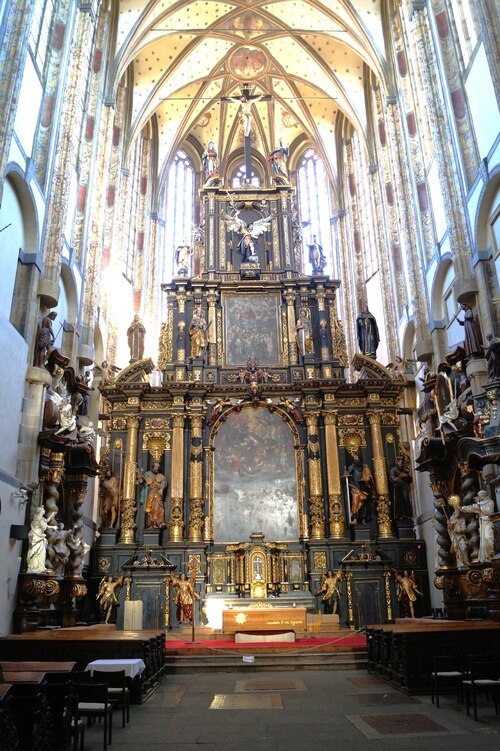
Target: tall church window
[[239, 177], [40, 31], [464, 24], [179, 214], [315, 203]]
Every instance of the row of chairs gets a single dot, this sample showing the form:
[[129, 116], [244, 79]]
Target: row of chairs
[[467, 676], [78, 696]]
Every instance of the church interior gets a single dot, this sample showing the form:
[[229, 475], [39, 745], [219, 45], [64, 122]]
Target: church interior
[[250, 258]]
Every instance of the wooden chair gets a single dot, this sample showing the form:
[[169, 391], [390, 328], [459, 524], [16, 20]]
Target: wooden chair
[[483, 677], [118, 691], [91, 700], [447, 676], [65, 727]]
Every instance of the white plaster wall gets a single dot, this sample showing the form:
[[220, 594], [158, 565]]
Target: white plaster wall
[[482, 103], [30, 98], [11, 396], [11, 239]]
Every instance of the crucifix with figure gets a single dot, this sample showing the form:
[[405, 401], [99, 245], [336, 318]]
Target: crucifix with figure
[[246, 100]]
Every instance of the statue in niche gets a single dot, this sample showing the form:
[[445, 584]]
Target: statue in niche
[[303, 329], [401, 479], [45, 340], [37, 550], [198, 334], [331, 587], [367, 331], [57, 550], [492, 355], [136, 333], [210, 161], [107, 595], [156, 483], [457, 529], [483, 507], [249, 233], [407, 591], [316, 257], [109, 495], [473, 344], [362, 491]]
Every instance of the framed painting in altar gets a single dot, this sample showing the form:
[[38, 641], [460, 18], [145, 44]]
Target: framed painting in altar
[[251, 329], [255, 478]]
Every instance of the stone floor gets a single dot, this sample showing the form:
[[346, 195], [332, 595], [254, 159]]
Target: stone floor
[[298, 711]]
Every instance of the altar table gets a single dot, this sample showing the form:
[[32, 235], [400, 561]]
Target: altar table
[[263, 619]]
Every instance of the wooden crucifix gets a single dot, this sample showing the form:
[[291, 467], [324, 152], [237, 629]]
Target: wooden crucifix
[[246, 100]]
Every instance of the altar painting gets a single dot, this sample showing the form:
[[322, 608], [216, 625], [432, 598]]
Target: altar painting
[[255, 485], [251, 329]]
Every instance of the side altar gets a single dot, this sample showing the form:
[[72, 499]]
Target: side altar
[[252, 464]]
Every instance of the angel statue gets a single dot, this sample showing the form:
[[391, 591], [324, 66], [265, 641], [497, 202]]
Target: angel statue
[[249, 233]]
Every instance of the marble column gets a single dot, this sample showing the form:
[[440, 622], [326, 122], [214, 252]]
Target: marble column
[[316, 506], [380, 477], [336, 511], [176, 522], [128, 505]]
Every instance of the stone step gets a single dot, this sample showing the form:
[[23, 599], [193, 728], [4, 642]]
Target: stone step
[[262, 662]]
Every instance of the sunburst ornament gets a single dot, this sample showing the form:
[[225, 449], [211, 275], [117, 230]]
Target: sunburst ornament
[[241, 618]]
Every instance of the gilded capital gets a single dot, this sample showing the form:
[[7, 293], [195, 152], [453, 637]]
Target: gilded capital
[[178, 420]]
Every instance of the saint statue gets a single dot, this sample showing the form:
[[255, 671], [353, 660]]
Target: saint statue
[[107, 595], [184, 597], [401, 479], [135, 335], [156, 483], [183, 255], [473, 343], [483, 507], [457, 529], [210, 161], [331, 587], [246, 101], [249, 233], [316, 257], [109, 495], [37, 550], [277, 158], [303, 329], [45, 340], [406, 587], [198, 334], [367, 331]]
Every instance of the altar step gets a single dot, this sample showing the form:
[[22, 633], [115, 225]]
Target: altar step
[[264, 661]]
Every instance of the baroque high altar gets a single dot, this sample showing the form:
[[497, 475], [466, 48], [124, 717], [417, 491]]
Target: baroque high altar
[[237, 469]]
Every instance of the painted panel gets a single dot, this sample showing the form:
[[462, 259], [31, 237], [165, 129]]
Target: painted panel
[[251, 329], [255, 485]]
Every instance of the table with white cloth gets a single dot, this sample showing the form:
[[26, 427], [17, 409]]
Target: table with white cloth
[[133, 667]]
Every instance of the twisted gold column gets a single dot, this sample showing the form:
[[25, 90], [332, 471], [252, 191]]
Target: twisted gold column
[[128, 507], [316, 509], [336, 512], [380, 473], [176, 523]]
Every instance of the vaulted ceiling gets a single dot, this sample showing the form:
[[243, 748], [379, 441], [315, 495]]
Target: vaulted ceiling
[[184, 58]]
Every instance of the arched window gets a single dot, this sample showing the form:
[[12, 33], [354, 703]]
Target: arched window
[[314, 197], [179, 213], [239, 175]]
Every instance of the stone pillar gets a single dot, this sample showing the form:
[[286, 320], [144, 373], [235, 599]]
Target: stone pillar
[[176, 522], [38, 380], [316, 508], [336, 512], [196, 517], [128, 507], [442, 137], [380, 476]]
